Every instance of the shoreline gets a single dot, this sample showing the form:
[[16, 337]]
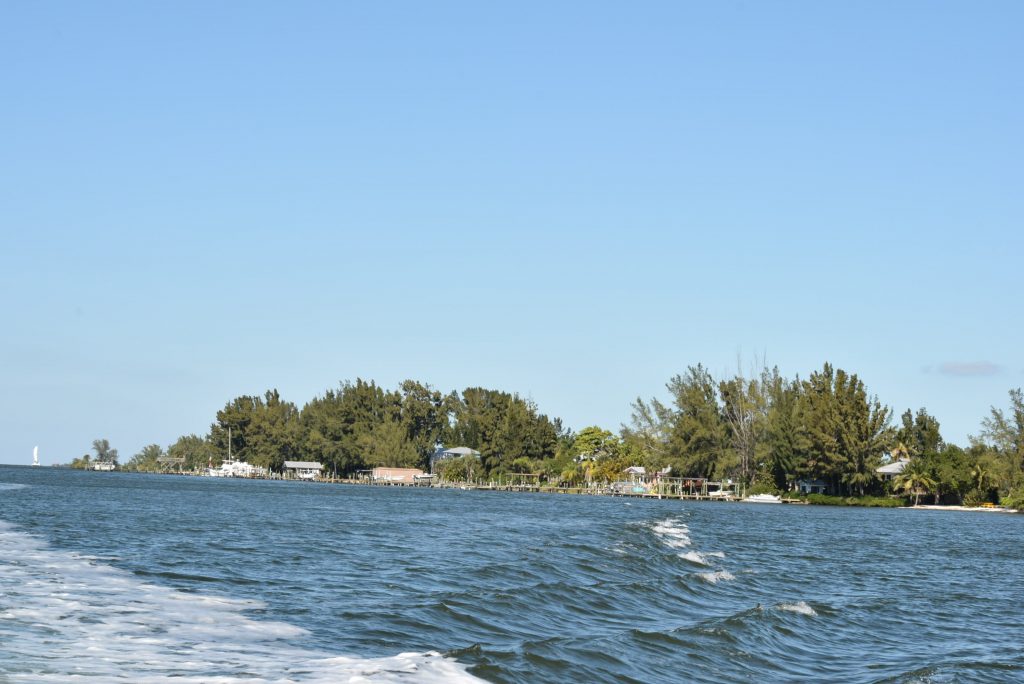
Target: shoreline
[[578, 491], [968, 509]]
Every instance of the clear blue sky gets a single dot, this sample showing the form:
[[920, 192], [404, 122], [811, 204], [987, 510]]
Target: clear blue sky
[[573, 202]]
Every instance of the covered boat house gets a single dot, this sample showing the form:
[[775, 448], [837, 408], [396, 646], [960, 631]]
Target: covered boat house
[[302, 470]]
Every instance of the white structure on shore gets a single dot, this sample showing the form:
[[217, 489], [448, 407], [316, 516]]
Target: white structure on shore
[[892, 470], [35, 456], [303, 470], [237, 469]]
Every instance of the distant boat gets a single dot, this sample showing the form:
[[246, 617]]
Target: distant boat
[[233, 468], [103, 466], [763, 498], [35, 456]]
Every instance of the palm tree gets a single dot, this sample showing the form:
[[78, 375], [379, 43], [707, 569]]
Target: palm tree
[[981, 475], [900, 452], [914, 480]]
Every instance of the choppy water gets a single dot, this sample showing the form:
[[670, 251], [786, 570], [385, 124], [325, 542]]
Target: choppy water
[[152, 579]]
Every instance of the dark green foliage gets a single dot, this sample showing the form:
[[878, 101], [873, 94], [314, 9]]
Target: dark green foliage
[[502, 427], [698, 441], [847, 431], [765, 432]]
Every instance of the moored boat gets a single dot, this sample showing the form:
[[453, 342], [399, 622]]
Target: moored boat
[[763, 498]]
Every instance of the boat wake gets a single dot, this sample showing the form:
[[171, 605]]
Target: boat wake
[[65, 617]]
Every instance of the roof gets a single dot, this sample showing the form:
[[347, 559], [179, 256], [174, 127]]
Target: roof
[[303, 465], [894, 468], [461, 451], [636, 470]]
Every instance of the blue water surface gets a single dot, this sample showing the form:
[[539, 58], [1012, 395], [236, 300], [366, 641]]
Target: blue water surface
[[166, 578]]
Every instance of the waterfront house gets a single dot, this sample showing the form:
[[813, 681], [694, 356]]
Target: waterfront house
[[811, 487], [402, 476], [892, 470], [302, 470], [443, 454]]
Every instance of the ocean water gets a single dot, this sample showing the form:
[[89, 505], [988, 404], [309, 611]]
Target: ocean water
[[141, 578]]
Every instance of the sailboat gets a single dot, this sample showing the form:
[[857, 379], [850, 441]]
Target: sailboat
[[35, 456], [232, 468]]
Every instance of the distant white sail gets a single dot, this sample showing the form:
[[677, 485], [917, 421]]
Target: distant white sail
[[35, 456]]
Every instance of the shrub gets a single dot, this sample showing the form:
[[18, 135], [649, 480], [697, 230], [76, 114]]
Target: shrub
[[866, 501], [1015, 499]]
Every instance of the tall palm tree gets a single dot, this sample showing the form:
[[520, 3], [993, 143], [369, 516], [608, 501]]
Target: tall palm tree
[[914, 480]]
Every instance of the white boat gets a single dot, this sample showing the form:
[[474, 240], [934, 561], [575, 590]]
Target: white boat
[[103, 466], [237, 469], [763, 498], [232, 468]]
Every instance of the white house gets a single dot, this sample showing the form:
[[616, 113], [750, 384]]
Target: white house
[[891, 470]]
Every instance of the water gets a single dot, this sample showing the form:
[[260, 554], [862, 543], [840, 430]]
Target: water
[[157, 578]]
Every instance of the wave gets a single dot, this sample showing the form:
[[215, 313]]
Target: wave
[[64, 616], [800, 607], [701, 558], [672, 533], [717, 576], [7, 486]]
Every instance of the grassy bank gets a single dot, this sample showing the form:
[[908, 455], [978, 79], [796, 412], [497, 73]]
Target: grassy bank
[[865, 501]]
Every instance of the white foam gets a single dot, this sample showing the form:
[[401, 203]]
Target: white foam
[[68, 618], [672, 533], [7, 486], [694, 557], [798, 607], [717, 576]]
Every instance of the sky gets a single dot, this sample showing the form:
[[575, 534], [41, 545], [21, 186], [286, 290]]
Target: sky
[[572, 201]]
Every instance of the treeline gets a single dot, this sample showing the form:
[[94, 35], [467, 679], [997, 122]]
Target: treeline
[[761, 429], [769, 432], [361, 425]]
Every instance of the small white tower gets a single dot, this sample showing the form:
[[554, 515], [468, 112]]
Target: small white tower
[[35, 456]]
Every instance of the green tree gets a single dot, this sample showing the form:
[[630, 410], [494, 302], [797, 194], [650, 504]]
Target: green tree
[[914, 481], [463, 469], [649, 431], [424, 413], [847, 431], [197, 451], [146, 460], [104, 454], [698, 442], [83, 462], [785, 431], [387, 444], [1005, 433]]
